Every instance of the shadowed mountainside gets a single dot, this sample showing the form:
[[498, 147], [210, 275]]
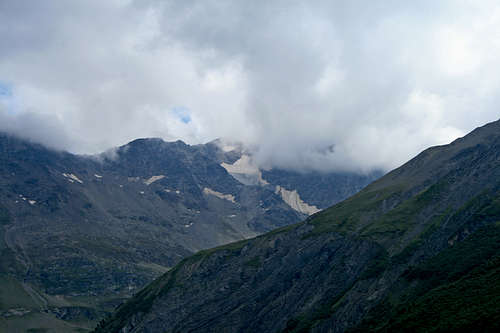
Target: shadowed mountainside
[[416, 250]]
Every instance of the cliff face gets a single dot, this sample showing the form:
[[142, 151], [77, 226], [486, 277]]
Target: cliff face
[[375, 261]]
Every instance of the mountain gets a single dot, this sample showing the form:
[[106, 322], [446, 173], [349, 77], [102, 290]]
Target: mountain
[[415, 251], [79, 234], [305, 191]]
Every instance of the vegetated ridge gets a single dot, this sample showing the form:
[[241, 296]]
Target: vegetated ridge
[[415, 251]]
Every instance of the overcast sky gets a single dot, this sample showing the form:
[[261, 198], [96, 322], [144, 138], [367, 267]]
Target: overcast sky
[[329, 85]]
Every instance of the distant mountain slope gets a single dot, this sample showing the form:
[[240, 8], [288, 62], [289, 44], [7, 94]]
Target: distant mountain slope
[[319, 189], [305, 191], [416, 250], [79, 234]]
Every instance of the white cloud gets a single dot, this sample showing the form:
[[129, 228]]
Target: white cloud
[[378, 81]]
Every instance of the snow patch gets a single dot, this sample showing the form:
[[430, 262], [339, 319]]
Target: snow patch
[[72, 178], [153, 179], [228, 197], [227, 145], [293, 199], [243, 165], [244, 171], [22, 197]]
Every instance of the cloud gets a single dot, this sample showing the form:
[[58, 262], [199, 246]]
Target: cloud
[[314, 85], [47, 130]]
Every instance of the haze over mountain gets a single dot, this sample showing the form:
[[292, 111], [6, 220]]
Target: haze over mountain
[[378, 81], [79, 234], [416, 251]]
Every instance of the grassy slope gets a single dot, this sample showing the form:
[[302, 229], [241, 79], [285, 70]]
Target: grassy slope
[[457, 290]]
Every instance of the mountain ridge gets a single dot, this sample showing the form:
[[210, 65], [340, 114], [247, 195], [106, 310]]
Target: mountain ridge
[[82, 233], [340, 266]]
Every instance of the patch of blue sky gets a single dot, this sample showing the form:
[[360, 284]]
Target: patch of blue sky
[[5, 89], [182, 113], [7, 98]]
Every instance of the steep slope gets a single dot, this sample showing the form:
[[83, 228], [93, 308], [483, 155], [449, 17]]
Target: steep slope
[[456, 290], [79, 234], [359, 265], [321, 190]]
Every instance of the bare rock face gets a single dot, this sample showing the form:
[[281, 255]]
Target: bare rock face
[[415, 250]]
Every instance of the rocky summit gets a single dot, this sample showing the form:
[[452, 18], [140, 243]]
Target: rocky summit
[[415, 251], [80, 234]]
